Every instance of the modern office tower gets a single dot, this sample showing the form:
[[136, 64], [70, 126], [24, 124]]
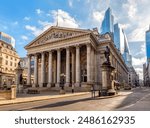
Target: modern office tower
[[108, 22], [121, 43], [148, 44], [119, 38], [8, 39]]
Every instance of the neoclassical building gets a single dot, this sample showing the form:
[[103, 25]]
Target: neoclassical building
[[8, 63], [72, 57]]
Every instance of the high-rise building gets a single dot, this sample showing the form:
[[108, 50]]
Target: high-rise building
[[8, 39], [121, 43], [108, 22], [146, 66], [148, 44], [119, 38]]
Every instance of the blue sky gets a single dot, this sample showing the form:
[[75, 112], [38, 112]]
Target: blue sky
[[25, 19]]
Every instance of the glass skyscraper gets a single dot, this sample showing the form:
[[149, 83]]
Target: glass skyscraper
[[118, 34], [108, 22], [121, 42], [148, 44], [8, 39], [119, 38]]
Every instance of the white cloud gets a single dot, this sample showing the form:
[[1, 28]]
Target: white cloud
[[24, 37], [138, 65], [70, 2], [131, 9], [138, 61], [35, 31], [98, 16], [27, 18], [140, 72], [32, 28], [39, 11], [64, 19], [43, 23], [125, 26]]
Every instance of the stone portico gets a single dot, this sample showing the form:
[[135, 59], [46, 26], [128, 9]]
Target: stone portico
[[63, 55], [72, 57]]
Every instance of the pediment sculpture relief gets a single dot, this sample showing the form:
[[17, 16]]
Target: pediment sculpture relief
[[55, 35]]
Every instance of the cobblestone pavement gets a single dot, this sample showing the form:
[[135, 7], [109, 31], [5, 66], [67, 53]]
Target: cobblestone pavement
[[136, 99]]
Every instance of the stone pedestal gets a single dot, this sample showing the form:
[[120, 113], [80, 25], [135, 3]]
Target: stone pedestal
[[67, 84], [13, 92], [62, 91], [107, 88], [49, 85]]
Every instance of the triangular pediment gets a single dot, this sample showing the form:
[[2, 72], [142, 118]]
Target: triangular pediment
[[56, 34]]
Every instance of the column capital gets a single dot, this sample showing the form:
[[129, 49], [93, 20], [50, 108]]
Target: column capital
[[29, 55], [58, 49], [67, 47], [88, 44], [50, 51], [36, 54], [77, 46], [43, 52]]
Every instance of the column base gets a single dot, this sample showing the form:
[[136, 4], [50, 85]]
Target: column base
[[49, 85], [57, 84], [34, 85], [78, 84], [41, 85], [67, 84], [62, 91]]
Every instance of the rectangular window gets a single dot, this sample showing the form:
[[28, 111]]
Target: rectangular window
[[10, 63], [6, 62]]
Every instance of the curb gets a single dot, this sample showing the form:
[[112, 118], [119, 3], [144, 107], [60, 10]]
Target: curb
[[33, 99], [38, 98]]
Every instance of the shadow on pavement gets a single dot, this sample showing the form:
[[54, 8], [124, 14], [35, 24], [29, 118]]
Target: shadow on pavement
[[62, 103], [136, 95]]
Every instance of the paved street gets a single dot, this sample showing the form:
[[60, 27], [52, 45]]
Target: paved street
[[137, 99]]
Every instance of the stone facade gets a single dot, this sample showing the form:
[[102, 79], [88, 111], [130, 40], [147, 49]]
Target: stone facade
[[133, 77], [73, 57], [8, 62]]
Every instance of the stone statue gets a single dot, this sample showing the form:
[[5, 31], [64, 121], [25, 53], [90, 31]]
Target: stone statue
[[19, 65], [107, 54], [20, 79]]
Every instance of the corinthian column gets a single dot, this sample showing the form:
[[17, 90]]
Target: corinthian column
[[67, 66], [73, 66], [50, 69], [42, 69], [77, 65], [88, 63], [29, 70], [58, 66], [35, 70]]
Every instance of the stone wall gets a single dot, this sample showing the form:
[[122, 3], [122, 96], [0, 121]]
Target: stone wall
[[9, 94]]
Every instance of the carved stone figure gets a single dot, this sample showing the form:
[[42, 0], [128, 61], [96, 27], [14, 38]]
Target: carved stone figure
[[19, 64], [107, 54], [20, 79]]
